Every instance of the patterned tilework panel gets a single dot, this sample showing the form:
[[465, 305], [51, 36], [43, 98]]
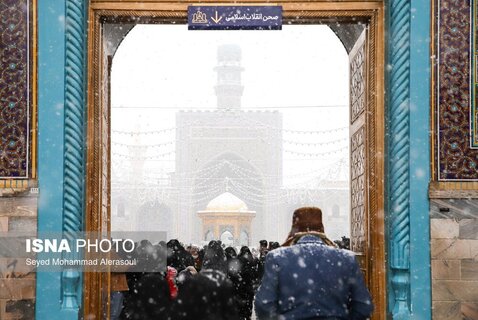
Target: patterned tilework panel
[[456, 159], [14, 88]]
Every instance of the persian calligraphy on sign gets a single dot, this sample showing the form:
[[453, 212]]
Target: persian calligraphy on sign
[[235, 17]]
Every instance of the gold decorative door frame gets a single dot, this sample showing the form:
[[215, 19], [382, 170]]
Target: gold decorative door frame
[[371, 13]]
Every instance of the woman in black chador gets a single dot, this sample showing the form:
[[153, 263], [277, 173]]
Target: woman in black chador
[[209, 294], [178, 257], [150, 299], [245, 286]]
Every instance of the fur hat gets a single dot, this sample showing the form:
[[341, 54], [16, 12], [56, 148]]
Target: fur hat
[[307, 220]]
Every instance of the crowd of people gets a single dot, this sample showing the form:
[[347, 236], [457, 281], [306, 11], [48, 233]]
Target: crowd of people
[[221, 283], [180, 291]]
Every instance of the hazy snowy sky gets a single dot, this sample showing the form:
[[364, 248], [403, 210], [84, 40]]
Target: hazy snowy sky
[[160, 69]]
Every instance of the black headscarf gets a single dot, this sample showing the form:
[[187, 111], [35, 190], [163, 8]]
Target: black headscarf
[[230, 253], [214, 257]]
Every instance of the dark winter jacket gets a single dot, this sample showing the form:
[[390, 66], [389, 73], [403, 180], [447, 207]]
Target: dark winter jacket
[[310, 280], [205, 296], [150, 299]]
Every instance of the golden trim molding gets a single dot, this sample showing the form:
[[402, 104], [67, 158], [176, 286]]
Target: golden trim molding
[[453, 190]]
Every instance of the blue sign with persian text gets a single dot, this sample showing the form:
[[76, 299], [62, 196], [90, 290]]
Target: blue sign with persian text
[[235, 17]]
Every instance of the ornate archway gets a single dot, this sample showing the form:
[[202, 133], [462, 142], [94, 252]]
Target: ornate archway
[[370, 113]]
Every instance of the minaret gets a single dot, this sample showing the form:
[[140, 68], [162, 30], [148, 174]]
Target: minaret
[[229, 86]]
